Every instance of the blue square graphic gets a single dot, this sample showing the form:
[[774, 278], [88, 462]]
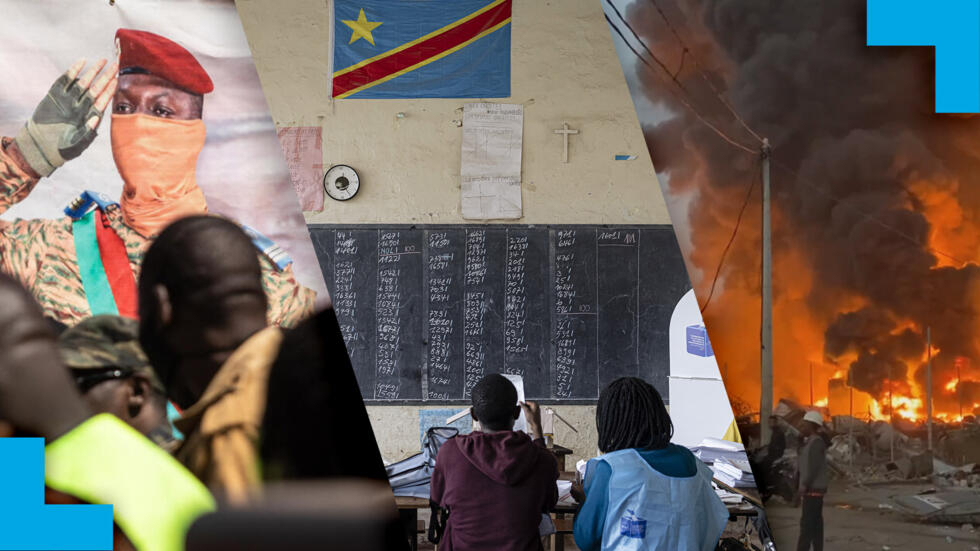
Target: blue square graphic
[[632, 526], [697, 341]]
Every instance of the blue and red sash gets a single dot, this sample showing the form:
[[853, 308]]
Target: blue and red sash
[[103, 263]]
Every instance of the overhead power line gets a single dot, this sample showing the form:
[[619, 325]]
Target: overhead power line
[[724, 253], [704, 75], [681, 97]]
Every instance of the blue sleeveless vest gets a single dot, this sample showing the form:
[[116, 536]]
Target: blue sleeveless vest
[[649, 510]]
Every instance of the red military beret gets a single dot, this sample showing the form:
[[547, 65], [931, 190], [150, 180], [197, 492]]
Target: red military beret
[[162, 57]]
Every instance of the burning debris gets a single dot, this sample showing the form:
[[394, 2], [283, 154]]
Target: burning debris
[[876, 217], [942, 485]]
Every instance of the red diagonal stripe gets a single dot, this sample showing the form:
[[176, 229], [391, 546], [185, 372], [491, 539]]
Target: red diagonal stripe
[[115, 262], [420, 52]]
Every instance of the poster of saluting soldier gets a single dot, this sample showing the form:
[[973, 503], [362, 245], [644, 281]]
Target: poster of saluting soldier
[[116, 121]]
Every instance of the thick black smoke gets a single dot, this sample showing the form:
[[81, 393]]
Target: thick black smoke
[[852, 129]]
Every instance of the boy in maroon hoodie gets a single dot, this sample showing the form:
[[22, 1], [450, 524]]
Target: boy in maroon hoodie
[[496, 482]]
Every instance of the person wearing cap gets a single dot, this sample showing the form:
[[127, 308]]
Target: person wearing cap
[[114, 376], [89, 458], [814, 478], [86, 263]]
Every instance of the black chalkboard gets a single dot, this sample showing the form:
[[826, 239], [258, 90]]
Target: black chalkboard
[[428, 310]]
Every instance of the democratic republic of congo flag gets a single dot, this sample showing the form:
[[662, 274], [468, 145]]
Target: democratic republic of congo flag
[[421, 49]]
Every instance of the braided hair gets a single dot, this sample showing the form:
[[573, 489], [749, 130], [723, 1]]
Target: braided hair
[[631, 414]]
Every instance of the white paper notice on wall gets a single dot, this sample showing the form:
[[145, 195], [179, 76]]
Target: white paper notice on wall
[[518, 383], [493, 135]]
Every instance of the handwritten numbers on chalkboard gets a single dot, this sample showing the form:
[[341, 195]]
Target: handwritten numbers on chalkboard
[[427, 311]]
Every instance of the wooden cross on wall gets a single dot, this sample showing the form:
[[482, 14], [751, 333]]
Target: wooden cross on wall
[[565, 131]]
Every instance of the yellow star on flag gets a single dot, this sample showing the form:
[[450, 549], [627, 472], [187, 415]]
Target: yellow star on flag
[[362, 28]]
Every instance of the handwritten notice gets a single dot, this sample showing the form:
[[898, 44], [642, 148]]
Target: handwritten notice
[[493, 136], [302, 147], [518, 382]]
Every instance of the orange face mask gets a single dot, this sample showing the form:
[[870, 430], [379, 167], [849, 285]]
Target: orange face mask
[[157, 159]]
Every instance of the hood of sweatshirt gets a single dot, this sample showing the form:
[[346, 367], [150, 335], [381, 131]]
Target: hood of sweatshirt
[[506, 457]]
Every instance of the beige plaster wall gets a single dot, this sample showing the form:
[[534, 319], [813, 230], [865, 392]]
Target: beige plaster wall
[[397, 430], [564, 68]]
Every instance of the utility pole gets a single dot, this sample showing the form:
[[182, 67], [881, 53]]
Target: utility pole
[[811, 383], [850, 422], [765, 406], [929, 386], [891, 416], [874, 446], [959, 387]]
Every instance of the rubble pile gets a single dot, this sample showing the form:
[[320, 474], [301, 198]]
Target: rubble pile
[[941, 485], [864, 451], [966, 476]]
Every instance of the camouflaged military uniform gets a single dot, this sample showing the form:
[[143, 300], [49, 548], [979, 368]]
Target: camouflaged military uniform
[[109, 346], [103, 342], [41, 254]]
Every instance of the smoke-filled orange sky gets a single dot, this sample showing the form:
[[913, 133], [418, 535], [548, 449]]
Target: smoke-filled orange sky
[[876, 199]]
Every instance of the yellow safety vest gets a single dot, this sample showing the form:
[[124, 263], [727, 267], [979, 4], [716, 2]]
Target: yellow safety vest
[[105, 461]]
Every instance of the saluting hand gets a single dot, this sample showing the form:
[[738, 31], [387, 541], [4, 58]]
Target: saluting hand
[[64, 123]]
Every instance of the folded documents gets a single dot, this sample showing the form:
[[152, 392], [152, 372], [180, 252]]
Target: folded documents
[[719, 444], [565, 493], [733, 470], [734, 482]]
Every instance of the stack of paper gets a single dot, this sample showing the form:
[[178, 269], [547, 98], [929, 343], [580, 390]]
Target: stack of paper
[[565, 492], [727, 460], [728, 472], [714, 449], [728, 498]]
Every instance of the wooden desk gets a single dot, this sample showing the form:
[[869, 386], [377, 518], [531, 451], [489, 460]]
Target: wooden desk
[[560, 453], [416, 503], [565, 510], [408, 510], [563, 522]]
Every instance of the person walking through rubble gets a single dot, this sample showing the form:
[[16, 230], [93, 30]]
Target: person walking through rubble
[[813, 482]]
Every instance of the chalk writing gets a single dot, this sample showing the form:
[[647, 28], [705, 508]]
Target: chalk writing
[[427, 311], [343, 293], [388, 308], [474, 309], [442, 304], [515, 290]]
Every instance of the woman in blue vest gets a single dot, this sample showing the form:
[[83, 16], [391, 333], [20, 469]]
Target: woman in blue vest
[[644, 492]]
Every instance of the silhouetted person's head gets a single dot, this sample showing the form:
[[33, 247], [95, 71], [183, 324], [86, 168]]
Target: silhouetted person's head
[[631, 414], [495, 403], [37, 396], [200, 297]]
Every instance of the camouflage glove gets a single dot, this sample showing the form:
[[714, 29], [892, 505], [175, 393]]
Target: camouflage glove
[[64, 123]]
